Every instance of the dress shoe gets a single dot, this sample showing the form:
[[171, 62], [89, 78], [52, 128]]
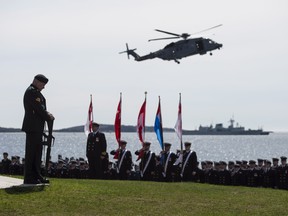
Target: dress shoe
[[32, 181], [44, 181]]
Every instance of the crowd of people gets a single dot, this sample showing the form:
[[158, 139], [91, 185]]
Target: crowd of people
[[164, 167]]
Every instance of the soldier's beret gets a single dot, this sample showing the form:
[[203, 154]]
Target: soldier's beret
[[260, 160], [167, 144], [123, 142], [95, 124], [5, 153], [244, 162], [238, 162], [268, 162], [222, 162], [275, 159], [231, 163], [252, 162], [187, 143], [283, 158], [41, 78], [147, 143]]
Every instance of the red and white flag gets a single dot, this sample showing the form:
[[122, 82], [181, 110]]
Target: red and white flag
[[88, 125], [141, 122], [178, 130], [117, 127], [141, 127], [178, 125], [117, 124]]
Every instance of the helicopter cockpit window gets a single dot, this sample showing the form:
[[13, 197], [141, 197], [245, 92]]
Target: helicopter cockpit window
[[199, 45], [169, 45]]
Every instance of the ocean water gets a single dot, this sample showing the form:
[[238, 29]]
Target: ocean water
[[213, 148]]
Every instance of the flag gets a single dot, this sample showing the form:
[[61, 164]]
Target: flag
[[141, 122], [141, 127], [117, 126], [178, 125], [178, 130], [88, 125], [158, 126]]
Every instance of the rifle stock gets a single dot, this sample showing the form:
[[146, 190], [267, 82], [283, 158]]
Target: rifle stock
[[50, 139]]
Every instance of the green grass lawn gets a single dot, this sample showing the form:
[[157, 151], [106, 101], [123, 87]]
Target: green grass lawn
[[104, 197]]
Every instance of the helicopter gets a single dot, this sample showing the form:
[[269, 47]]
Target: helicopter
[[179, 49]]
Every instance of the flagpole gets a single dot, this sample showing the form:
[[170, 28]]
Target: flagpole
[[145, 117], [92, 109], [120, 117], [161, 123], [181, 142]]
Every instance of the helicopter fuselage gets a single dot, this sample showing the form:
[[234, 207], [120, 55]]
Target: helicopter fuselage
[[181, 49], [184, 48]]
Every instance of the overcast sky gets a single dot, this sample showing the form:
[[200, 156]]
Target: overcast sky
[[76, 43]]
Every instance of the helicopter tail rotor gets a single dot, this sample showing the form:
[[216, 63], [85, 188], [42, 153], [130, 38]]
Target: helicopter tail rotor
[[130, 52]]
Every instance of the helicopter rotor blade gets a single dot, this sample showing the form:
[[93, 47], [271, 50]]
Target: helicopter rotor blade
[[167, 32], [184, 35], [207, 29], [163, 38], [127, 48]]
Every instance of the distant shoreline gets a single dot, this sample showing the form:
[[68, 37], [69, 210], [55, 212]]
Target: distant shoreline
[[110, 129], [104, 128]]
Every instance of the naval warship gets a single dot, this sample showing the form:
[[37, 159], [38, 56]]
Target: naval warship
[[219, 129]]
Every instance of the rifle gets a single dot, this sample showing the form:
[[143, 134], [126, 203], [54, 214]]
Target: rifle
[[48, 139]]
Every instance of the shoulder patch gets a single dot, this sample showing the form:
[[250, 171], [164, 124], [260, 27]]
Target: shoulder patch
[[38, 99]]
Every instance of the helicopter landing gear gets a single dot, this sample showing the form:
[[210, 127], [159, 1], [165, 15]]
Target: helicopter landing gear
[[211, 53], [176, 61]]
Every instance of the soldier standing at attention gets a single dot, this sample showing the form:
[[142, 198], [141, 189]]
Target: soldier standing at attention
[[189, 163], [148, 163], [124, 163], [33, 125], [96, 151], [282, 171], [167, 158], [5, 164]]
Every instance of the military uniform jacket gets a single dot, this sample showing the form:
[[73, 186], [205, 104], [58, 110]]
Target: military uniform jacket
[[124, 163], [282, 177], [96, 144], [35, 111], [150, 167], [191, 164], [168, 164]]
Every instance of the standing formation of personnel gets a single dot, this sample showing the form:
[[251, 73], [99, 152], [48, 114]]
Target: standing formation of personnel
[[165, 166], [246, 173]]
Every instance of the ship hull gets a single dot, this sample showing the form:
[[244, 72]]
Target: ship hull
[[251, 132]]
